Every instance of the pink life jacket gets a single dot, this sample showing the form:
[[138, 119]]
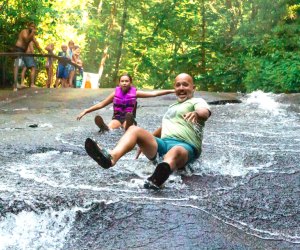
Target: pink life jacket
[[124, 103]]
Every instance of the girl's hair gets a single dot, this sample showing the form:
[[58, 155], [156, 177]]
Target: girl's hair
[[126, 74]]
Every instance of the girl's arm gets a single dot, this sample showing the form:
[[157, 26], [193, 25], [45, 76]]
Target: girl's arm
[[100, 105], [144, 94]]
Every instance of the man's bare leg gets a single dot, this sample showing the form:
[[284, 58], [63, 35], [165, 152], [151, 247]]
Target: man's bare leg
[[16, 71], [32, 77], [23, 77], [135, 135], [177, 157]]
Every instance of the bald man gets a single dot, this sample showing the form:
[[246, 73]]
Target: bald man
[[178, 141]]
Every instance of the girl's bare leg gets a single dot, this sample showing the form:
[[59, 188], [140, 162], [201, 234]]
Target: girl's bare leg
[[114, 124]]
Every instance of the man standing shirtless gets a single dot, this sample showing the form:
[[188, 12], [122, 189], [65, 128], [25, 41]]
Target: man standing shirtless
[[24, 38]]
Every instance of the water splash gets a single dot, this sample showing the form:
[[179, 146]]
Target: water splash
[[21, 109], [265, 101], [28, 230], [247, 152]]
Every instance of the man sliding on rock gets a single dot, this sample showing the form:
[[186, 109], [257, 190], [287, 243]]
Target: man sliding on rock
[[178, 141]]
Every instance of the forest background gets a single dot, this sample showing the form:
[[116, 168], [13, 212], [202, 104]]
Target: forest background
[[227, 45]]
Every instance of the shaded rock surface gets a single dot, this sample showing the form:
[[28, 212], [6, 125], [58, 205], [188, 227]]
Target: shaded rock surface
[[242, 193]]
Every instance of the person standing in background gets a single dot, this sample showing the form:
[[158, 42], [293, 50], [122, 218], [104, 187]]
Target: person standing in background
[[79, 74], [25, 37], [29, 63], [70, 67], [75, 59], [49, 65], [62, 68]]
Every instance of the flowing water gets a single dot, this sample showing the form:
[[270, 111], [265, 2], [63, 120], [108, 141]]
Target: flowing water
[[242, 193]]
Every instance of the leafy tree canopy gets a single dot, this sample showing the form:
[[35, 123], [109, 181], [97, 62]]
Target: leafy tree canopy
[[227, 45]]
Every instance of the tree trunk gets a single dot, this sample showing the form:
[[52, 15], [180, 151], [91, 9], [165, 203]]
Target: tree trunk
[[99, 9], [109, 30], [102, 63], [120, 46], [203, 38], [254, 10], [142, 55]]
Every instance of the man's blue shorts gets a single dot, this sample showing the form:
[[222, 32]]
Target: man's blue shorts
[[29, 62], [165, 144]]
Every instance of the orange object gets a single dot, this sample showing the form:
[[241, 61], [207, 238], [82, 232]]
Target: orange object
[[87, 84]]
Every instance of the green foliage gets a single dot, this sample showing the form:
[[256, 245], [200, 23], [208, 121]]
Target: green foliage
[[260, 50], [280, 72], [227, 45], [272, 63]]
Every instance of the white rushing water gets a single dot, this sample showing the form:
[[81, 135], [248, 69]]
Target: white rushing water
[[28, 230], [258, 137]]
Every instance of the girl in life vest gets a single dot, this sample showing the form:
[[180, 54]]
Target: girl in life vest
[[124, 100]]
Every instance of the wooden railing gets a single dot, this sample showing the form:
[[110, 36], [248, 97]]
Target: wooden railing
[[15, 55]]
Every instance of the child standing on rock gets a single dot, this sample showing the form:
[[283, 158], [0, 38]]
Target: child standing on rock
[[49, 64]]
